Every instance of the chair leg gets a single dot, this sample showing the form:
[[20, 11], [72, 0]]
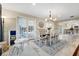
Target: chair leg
[[12, 51], [45, 42]]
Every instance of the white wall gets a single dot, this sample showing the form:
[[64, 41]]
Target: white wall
[[10, 21]]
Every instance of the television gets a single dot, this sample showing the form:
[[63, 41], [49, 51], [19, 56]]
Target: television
[[12, 32]]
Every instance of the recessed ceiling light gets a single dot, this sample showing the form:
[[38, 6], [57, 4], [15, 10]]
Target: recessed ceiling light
[[33, 4]]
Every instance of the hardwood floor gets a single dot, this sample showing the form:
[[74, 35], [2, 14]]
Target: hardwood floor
[[76, 53]]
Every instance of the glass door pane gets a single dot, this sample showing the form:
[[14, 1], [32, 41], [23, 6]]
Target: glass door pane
[[31, 29], [22, 27]]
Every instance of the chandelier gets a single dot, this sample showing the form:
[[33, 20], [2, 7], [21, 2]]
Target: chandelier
[[50, 17]]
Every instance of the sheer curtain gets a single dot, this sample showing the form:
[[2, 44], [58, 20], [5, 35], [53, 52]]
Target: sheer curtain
[[26, 28], [31, 29], [22, 28]]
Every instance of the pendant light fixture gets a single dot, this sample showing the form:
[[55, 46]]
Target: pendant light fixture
[[50, 17]]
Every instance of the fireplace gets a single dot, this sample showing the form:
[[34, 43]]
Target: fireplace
[[12, 37]]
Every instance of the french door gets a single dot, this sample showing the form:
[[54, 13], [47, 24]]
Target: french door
[[26, 28]]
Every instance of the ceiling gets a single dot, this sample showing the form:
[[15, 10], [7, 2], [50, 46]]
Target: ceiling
[[62, 11]]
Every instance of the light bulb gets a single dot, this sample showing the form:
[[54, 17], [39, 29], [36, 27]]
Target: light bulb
[[46, 19], [3, 16], [51, 18], [54, 19], [33, 4]]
